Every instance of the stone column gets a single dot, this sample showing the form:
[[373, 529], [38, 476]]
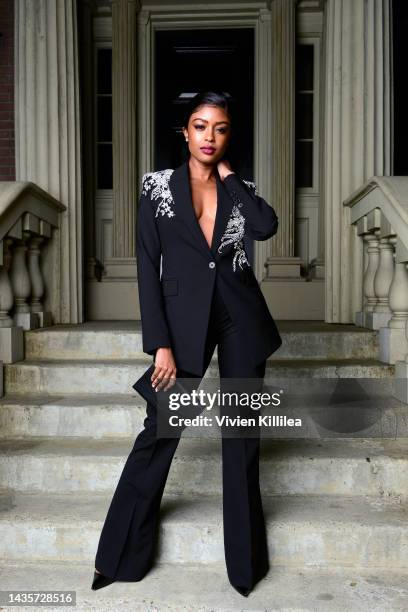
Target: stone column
[[281, 261], [124, 111], [47, 113], [357, 138]]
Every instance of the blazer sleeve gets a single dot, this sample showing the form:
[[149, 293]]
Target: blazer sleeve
[[261, 221], [155, 331]]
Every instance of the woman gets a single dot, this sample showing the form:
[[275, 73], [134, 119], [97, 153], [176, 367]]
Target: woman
[[193, 220]]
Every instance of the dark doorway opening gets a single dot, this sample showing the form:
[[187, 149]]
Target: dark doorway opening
[[400, 54], [188, 61]]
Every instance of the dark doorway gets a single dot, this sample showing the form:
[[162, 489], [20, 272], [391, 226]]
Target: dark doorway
[[400, 54], [188, 61]]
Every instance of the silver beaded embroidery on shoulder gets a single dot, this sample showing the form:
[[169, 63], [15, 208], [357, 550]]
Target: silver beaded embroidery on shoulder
[[158, 183], [234, 233], [252, 185]]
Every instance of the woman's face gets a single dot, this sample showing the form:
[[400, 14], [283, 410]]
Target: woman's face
[[208, 133]]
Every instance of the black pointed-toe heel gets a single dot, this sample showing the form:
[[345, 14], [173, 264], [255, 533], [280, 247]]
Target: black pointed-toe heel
[[100, 581], [242, 591]]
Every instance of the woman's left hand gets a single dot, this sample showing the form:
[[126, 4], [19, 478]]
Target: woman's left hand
[[224, 168]]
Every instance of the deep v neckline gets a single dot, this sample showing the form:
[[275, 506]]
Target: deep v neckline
[[210, 246]]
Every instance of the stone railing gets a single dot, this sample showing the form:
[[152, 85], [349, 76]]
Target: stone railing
[[29, 264], [379, 212]]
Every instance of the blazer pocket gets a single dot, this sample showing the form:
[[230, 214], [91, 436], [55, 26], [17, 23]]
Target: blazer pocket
[[169, 286]]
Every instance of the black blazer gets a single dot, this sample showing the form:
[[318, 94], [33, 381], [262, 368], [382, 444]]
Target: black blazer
[[177, 270]]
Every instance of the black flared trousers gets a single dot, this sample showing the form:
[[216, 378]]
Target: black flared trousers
[[126, 545]]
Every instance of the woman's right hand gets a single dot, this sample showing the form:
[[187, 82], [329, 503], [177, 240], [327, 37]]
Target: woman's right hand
[[165, 369]]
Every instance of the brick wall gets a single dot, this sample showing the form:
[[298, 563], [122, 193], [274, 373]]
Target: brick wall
[[7, 150]]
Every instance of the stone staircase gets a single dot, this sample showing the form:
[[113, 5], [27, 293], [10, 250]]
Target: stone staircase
[[336, 509]]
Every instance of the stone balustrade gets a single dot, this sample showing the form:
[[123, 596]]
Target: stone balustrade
[[379, 214], [29, 264]]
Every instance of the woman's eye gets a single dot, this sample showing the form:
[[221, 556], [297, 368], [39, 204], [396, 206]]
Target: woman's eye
[[221, 130]]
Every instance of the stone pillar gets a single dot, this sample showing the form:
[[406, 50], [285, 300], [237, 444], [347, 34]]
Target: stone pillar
[[47, 112], [357, 138], [281, 261], [124, 110]]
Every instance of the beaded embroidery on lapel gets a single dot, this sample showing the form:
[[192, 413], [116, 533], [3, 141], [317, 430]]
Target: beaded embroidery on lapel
[[158, 183], [234, 233]]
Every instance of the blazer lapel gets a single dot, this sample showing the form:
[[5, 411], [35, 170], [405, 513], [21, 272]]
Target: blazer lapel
[[224, 208], [179, 185]]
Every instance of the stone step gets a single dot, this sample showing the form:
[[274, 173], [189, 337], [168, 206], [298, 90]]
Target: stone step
[[377, 468], [87, 415], [205, 588], [123, 340], [121, 416], [84, 376], [303, 530]]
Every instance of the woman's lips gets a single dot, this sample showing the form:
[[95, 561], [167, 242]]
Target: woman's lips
[[207, 150]]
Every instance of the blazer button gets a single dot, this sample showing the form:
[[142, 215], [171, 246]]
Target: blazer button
[[211, 264]]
